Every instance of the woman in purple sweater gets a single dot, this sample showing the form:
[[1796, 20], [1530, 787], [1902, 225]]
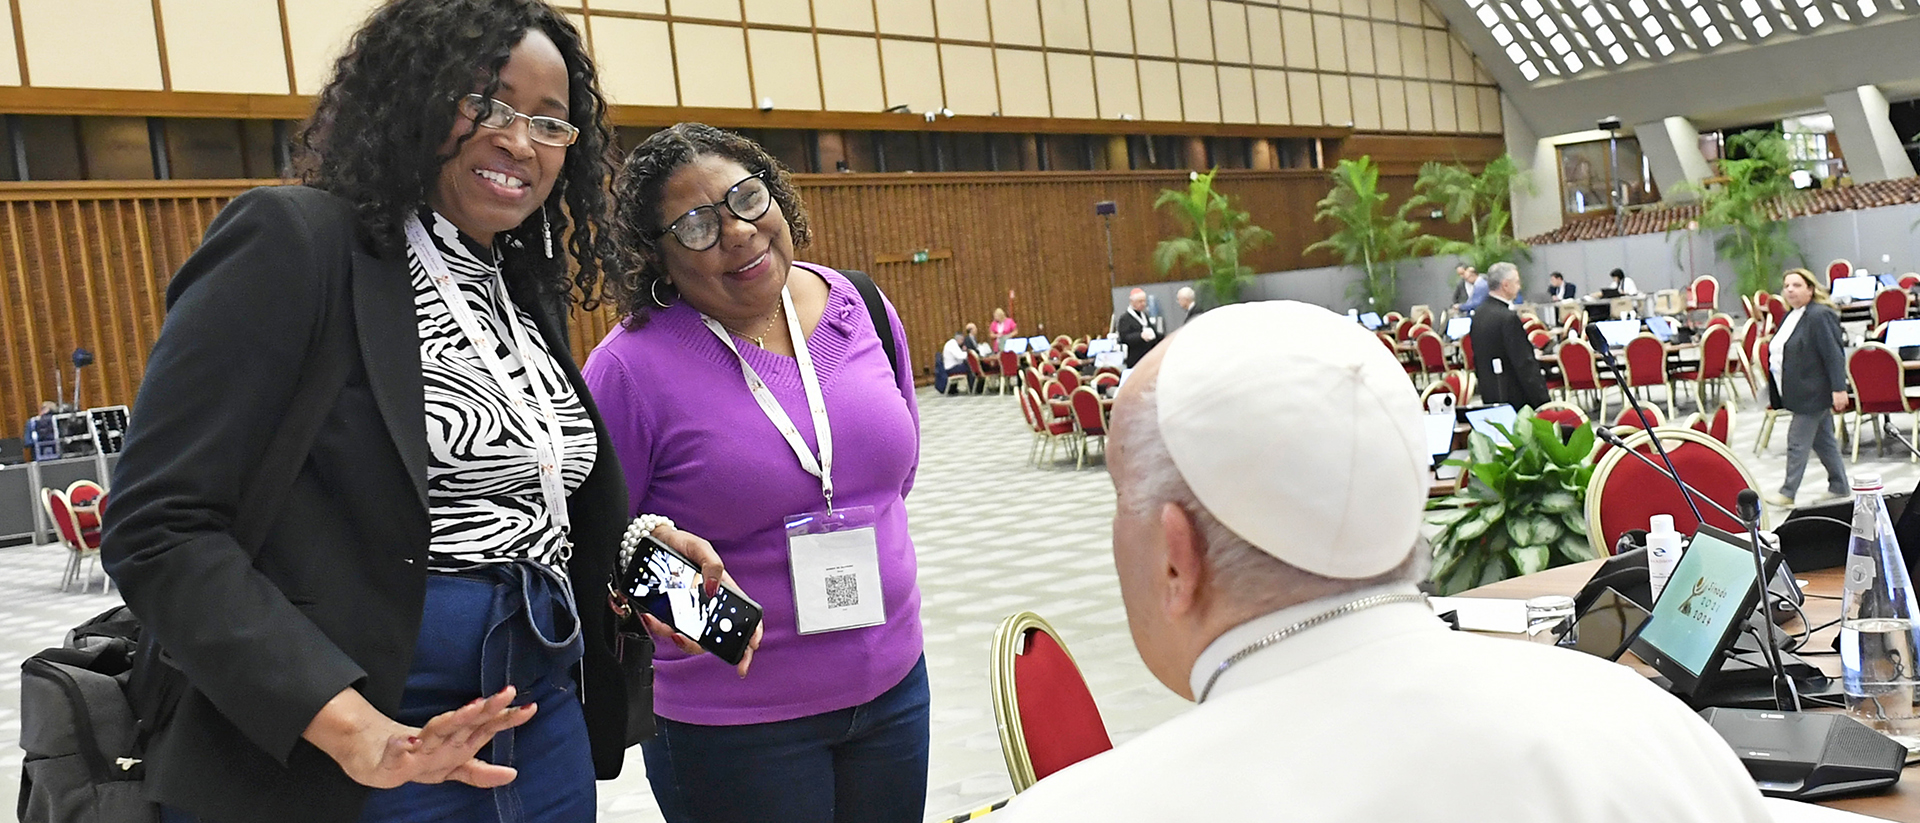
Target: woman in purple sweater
[[715, 391]]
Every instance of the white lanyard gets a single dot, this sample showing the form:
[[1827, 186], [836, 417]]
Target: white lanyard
[[550, 449], [823, 467], [1138, 316]]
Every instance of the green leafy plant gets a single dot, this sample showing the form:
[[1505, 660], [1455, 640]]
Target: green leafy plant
[[1217, 233], [1366, 234], [1756, 189], [1522, 510], [1480, 200]]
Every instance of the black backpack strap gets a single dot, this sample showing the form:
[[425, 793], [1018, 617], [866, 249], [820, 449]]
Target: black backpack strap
[[877, 309]]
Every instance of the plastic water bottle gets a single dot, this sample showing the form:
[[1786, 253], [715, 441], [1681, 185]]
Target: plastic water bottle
[[1877, 613], [1663, 551]]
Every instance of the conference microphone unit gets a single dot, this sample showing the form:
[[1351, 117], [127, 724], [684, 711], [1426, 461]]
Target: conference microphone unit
[[1809, 755]]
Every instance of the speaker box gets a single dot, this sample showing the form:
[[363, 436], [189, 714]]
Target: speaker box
[[1806, 756]]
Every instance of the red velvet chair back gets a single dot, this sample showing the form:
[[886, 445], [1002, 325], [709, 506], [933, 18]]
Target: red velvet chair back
[[1466, 351], [1646, 361], [67, 525], [1875, 373], [1909, 280], [1562, 416], [1080, 349], [1746, 302], [1105, 379], [1069, 379], [1058, 717], [1777, 309], [1625, 492], [1027, 410], [1720, 320], [1031, 377], [1703, 293], [1889, 304], [1009, 363], [1715, 345], [1087, 411], [1720, 425], [1837, 268], [1456, 382], [1629, 418], [1053, 388], [1433, 353]]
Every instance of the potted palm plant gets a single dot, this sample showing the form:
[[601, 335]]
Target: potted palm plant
[[1216, 234], [1482, 201], [1754, 191], [1366, 234]]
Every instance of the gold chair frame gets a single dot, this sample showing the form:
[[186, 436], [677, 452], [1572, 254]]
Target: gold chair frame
[[1668, 435], [1005, 692]]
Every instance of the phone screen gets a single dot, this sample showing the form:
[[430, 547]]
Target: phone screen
[[670, 588], [1608, 626]]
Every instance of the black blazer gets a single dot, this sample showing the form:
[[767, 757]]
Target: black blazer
[[1499, 336], [1130, 331], [333, 598], [1566, 291], [1813, 365]]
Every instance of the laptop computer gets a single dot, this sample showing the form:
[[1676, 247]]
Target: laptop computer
[[1661, 327], [1017, 345], [1100, 345], [1618, 332], [1481, 419], [1853, 289], [1888, 280], [1039, 342], [1903, 333], [1371, 320], [1609, 293], [1458, 327]]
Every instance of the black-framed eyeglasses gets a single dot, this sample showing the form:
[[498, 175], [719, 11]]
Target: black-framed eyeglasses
[[699, 229], [548, 131]]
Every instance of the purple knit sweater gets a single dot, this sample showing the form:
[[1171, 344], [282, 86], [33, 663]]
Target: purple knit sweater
[[696, 448]]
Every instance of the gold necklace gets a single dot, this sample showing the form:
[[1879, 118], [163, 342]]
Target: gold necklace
[[779, 310]]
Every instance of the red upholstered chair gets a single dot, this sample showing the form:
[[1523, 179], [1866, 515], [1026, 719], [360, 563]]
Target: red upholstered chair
[[1047, 718], [1393, 317], [1576, 325], [1838, 268], [1628, 419], [987, 371], [1890, 304], [1746, 302], [1063, 344], [1777, 310], [1433, 354], [1441, 387], [1873, 370], [1031, 380], [1909, 280], [1625, 492], [1090, 420], [1719, 319], [1069, 379], [1742, 360], [1540, 338], [1647, 365], [1703, 292], [1104, 379], [1719, 425], [1466, 352], [1009, 366], [1080, 349], [87, 499], [1564, 414], [1716, 343], [1580, 372], [1461, 381], [83, 543], [1053, 422]]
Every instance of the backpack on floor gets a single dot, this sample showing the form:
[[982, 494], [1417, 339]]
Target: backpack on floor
[[83, 744]]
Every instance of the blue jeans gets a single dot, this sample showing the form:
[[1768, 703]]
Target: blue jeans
[[865, 764]]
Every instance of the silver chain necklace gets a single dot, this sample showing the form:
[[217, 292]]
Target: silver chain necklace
[[1362, 604]]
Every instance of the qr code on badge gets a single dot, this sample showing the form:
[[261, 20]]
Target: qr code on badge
[[842, 591]]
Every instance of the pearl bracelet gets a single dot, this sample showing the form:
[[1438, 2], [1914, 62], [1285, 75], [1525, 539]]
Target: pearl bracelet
[[638, 530]]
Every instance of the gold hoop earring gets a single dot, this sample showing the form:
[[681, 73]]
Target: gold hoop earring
[[653, 291]]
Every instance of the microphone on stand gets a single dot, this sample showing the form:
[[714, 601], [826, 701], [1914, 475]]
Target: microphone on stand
[[1599, 343], [1785, 697]]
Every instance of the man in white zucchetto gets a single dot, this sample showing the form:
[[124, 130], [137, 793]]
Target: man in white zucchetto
[[1271, 471]]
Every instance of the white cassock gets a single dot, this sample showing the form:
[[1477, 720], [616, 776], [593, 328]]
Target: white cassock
[[1385, 715]]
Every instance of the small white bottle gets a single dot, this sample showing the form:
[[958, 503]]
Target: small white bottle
[[1663, 551]]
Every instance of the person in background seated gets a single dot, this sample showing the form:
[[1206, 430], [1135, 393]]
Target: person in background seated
[[1503, 358], [1284, 604], [1559, 289], [1621, 282], [1001, 328], [1191, 307], [972, 341], [42, 439], [1809, 378], [1139, 331], [1476, 294], [953, 361]]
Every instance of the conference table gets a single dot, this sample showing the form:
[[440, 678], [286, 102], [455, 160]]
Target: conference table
[[1901, 802]]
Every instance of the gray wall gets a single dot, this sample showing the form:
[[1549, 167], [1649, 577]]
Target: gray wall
[[1654, 261]]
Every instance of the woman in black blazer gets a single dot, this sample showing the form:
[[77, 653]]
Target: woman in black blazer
[[1809, 379], [426, 614]]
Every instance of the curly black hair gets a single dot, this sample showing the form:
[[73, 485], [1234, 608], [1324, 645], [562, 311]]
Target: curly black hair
[[637, 220], [376, 132]]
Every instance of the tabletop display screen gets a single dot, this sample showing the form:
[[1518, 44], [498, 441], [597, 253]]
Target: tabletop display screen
[[1854, 289], [1482, 418], [1038, 342], [1017, 345], [1370, 319], [1702, 609], [1100, 345], [1888, 281], [1618, 332], [1439, 433], [1458, 327], [1903, 333], [1662, 327], [1115, 359]]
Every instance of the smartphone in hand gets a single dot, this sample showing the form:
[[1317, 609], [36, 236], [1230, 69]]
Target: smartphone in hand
[[669, 587]]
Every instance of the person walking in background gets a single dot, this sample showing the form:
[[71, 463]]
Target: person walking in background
[[1139, 331], [1503, 358], [751, 400], [1559, 289], [421, 631], [1809, 378], [1001, 328]]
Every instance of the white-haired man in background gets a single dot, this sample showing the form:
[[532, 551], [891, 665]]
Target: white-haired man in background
[[1265, 535]]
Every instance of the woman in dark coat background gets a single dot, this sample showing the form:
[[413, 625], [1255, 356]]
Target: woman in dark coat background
[[1809, 379]]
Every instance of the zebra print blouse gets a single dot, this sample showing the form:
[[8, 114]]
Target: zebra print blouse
[[484, 502]]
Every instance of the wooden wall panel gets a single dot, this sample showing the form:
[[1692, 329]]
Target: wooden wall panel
[[85, 265]]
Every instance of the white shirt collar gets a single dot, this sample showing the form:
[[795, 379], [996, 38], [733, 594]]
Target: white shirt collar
[[1298, 651]]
